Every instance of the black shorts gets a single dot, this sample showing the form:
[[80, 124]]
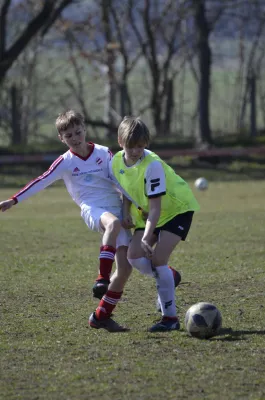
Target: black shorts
[[179, 225]]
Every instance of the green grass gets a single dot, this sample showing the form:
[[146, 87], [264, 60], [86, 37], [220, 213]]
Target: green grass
[[48, 262]]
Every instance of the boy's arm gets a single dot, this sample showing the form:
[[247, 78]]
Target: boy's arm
[[150, 225], [155, 188], [127, 221], [47, 178]]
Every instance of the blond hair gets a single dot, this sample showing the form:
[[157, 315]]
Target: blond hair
[[68, 119], [132, 131]]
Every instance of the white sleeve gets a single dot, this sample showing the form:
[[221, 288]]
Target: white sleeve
[[155, 180], [110, 157], [54, 173]]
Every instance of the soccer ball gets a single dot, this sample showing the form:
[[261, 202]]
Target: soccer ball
[[203, 320], [201, 184]]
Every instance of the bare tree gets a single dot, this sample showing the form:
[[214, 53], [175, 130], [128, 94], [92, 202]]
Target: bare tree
[[204, 56], [45, 16], [157, 29], [123, 38], [102, 41], [239, 24], [204, 25], [252, 62]]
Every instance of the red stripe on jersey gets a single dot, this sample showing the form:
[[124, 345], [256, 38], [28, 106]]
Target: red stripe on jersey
[[44, 175], [92, 146]]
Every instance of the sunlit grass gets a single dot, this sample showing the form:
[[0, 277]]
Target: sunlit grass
[[48, 262]]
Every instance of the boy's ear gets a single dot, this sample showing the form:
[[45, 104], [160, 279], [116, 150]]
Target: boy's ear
[[61, 138], [120, 143]]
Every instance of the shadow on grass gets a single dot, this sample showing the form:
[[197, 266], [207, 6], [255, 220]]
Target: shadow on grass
[[231, 335]]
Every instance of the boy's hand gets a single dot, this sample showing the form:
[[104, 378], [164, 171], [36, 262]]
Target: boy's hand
[[127, 222], [147, 248], [5, 205], [144, 215]]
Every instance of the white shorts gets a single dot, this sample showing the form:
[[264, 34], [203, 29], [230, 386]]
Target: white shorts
[[92, 215]]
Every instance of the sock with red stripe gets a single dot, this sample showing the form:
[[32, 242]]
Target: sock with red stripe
[[106, 259], [176, 275], [107, 304], [166, 291]]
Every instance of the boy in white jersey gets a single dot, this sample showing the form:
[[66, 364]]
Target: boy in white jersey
[[152, 187], [84, 169]]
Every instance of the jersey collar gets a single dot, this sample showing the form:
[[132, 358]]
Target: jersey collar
[[92, 146], [137, 162]]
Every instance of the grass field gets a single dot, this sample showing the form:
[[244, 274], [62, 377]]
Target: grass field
[[48, 262]]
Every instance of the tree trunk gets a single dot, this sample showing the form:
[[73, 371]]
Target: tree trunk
[[205, 60], [111, 101], [16, 128], [253, 118], [169, 107], [156, 112], [110, 104], [125, 102]]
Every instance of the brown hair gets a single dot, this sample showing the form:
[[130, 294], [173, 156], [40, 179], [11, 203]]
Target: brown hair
[[132, 131], [68, 119]]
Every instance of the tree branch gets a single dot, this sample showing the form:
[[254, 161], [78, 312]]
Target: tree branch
[[55, 14], [3, 14], [34, 26]]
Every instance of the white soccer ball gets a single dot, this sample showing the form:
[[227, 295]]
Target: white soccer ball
[[203, 320], [201, 184]]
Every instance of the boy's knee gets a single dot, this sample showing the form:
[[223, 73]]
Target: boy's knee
[[134, 252], [114, 226], [142, 264], [158, 260]]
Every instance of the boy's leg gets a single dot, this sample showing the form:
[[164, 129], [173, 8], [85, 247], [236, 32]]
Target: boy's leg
[[135, 252], [138, 260], [101, 317], [179, 226], [107, 223], [111, 226], [163, 275], [165, 282], [177, 280]]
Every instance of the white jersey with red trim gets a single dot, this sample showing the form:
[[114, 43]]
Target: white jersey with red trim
[[86, 179]]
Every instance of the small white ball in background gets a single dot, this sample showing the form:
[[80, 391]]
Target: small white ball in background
[[201, 184]]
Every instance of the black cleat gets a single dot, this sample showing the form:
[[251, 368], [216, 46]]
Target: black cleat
[[166, 324], [100, 288], [109, 324]]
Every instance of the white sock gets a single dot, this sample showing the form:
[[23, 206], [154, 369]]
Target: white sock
[[166, 291], [142, 264]]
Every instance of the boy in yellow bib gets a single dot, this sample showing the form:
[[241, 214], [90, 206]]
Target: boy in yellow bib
[[151, 188]]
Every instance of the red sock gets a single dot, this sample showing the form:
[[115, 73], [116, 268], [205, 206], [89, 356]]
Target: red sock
[[107, 304], [174, 271], [166, 318], [106, 259]]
